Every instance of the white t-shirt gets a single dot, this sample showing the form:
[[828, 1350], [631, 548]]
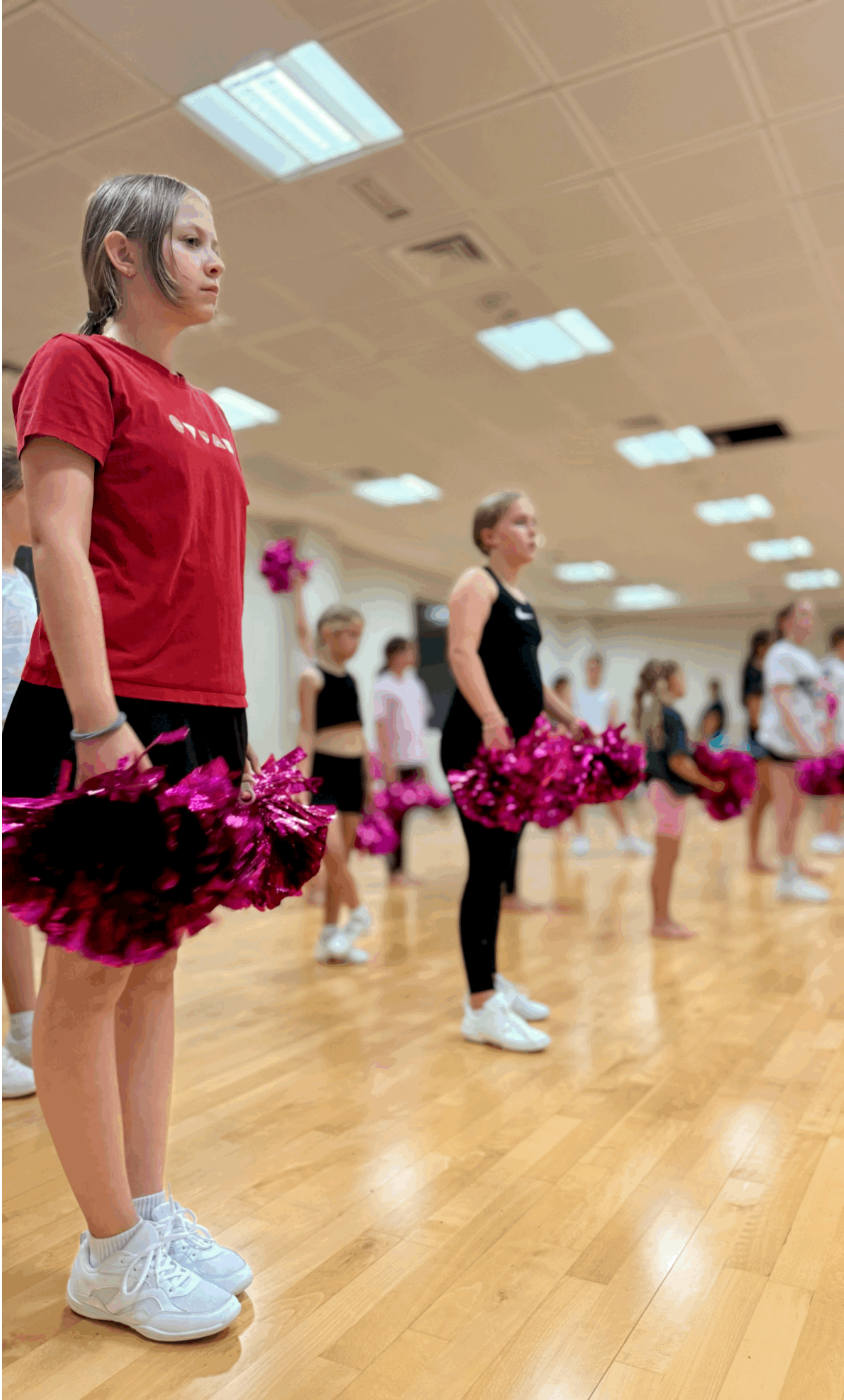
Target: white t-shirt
[[403, 704], [832, 670], [20, 614], [795, 667], [593, 707]]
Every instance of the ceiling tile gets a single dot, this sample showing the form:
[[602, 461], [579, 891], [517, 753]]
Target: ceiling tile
[[338, 283], [500, 301], [666, 313], [252, 307], [323, 14], [56, 291], [764, 293], [741, 244], [18, 148], [605, 278], [605, 31], [743, 9], [570, 220], [309, 349], [424, 65], [816, 148], [392, 328], [50, 200], [512, 152], [678, 97], [836, 262], [827, 210], [706, 182], [798, 55], [598, 387], [403, 174], [799, 335], [62, 84], [269, 230]]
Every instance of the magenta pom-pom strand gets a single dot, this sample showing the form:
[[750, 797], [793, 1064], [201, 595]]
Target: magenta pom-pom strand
[[736, 770], [281, 567], [376, 834], [824, 776]]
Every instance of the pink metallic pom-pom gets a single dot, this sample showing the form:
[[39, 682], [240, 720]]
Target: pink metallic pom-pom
[[376, 834], [530, 782], [401, 797], [824, 776], [280, 565], [606, 767], [736, 770]]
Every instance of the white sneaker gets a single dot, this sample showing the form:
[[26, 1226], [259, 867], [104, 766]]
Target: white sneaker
[[518, 1002], [20, 1047], [360, 920], [580, 846], [18, 1079], [498, 1024], [144, 1288], [337, 945], [634, 845], [194, 1247], [796, 887], [828, 844]]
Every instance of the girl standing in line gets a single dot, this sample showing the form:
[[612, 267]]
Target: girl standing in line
[[597, 706], [331, 733], [20, 614], [403, 710], [137, 508], [673, 776], [493, 641], [830, 842], [752, 690], [794, 723]]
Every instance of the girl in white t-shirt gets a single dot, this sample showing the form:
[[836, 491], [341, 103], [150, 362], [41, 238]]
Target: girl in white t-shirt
[[794, 723], [596, 706], [830, 842], [403, 711], [20, 613]]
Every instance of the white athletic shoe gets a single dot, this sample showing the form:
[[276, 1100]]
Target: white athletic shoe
[[796, 887], [634, 845], [580, 846], [337, 945], [519, 1002], [18, 1079], [828, 844], [143, 1287], [20, 1047], [195, 1248], [498, 1024], [360, 920]]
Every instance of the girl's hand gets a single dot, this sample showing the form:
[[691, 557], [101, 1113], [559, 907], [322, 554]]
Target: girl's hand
[[251, 769], [95, 756], [496, 735], [715, 786]]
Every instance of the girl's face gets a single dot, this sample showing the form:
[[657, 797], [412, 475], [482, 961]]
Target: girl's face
[[676, 684], [16, 519], [802, 621], [344, 642], [593, 672], [193, 258], [515, 534]]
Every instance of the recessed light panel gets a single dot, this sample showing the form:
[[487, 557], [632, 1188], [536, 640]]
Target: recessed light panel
[[406, 490], [735, 510], [584, 573], [766, 550], [644, 596], [810, 579], [665, 448], [243, 412], [545, 340], [290, 114]]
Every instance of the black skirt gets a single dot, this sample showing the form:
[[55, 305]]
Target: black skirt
[[342, 782], [36, 737]]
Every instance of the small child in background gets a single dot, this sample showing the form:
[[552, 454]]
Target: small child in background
[[673, 776]]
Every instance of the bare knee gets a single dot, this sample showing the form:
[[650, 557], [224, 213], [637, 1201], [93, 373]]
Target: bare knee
[[75, 989], [152, 977]]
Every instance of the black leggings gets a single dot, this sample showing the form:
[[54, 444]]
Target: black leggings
[[491, 857]]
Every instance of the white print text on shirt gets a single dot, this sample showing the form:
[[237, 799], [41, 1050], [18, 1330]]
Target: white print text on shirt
[[188, 427]]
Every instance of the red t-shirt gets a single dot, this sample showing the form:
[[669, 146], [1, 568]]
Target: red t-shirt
[[168, 528]]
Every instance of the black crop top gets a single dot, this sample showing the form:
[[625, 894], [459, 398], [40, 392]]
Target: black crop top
[[337, 702]]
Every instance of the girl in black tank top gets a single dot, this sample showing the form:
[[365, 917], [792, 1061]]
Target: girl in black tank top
[[494, 638]]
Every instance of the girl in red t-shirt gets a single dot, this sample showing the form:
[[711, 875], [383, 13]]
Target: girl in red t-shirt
[[138, 511]]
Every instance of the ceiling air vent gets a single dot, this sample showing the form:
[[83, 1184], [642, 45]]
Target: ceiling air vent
[[744, 433], [450, 258], [373, 193]]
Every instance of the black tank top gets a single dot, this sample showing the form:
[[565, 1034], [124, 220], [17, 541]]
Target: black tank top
[[508, 650], [337, 702]]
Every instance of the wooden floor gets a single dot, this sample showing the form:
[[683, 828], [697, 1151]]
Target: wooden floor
[[651, 1210]]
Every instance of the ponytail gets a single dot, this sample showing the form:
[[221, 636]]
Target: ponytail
[[650, 698]]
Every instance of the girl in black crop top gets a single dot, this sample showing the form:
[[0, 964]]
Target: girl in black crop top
[[332, 736], [493, 640]]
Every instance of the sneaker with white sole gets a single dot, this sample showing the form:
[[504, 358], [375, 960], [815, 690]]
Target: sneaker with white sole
[[634, 845], [796, 887], [337, 945], [580, 846], [496, 1023], [18, 1079], [828, 844], [360, 920], [520, 1002], [195, 1248], [143, 1287]]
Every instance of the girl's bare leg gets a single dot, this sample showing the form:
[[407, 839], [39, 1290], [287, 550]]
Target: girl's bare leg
[[788, 805], [18, 968], [616, 811], [662, 873], [144, 1044], [761, 802], [340, 887]]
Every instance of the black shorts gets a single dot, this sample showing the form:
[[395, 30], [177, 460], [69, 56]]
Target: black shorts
[[342, 782], [36, 737]]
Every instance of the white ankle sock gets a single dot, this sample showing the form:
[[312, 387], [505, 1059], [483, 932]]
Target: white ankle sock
[[145, 1205], [101, 1249], [327, 931], [20, 1025], [789, 870]]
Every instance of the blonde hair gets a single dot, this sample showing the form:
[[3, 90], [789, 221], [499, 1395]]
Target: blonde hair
[[489, 512], [339, 615], [650, 698]]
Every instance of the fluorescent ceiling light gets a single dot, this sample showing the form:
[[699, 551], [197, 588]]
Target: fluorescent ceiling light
[[813, 578], [645, 596], [584, 573], [545, 340], [765, 550], [735, 510], [290, 114], [243, 412], [665, 448], [406, 490]]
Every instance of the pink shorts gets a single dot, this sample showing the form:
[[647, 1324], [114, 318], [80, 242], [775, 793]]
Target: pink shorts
[[670, 809]]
